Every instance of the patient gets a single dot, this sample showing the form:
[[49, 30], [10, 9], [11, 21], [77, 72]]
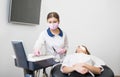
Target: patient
[[82, 64]]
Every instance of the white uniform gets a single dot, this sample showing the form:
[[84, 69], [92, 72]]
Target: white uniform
[[75, 58], [48, 41]]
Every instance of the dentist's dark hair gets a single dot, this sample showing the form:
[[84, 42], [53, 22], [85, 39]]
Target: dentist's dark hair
[[53, 14]]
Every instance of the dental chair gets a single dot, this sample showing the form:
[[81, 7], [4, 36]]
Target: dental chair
[[55, 72]]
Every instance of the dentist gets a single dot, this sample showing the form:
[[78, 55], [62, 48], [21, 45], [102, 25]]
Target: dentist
[[53, 39]]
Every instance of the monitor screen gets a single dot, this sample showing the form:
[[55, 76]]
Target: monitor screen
[[25, 11]]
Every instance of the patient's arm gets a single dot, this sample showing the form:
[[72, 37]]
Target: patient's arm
[[82, 68], [66, 69], [93, 69], [77, 67]]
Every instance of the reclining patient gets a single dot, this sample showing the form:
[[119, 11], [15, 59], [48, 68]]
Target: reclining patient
[[82, 64]]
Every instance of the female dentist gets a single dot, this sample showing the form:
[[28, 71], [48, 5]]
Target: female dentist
[[53, 39]]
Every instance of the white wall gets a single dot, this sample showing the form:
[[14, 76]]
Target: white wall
[[90, 22]]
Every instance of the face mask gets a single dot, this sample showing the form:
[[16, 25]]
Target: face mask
[[53, 26]]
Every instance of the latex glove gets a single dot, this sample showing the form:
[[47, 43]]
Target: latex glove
[[61, 51], [80, 69], [36, 53]]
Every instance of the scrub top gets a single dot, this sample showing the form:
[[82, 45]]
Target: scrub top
[[49, 43]]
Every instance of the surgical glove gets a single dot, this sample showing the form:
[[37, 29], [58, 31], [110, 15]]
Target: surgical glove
[[36, 53], [61, 51]]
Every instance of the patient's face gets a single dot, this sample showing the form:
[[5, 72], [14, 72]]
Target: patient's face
[[81, 49]]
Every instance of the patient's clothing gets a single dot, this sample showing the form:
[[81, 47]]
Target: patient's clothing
[[75, 58]]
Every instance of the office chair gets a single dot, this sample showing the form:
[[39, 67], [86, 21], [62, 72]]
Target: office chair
[[28, 66]]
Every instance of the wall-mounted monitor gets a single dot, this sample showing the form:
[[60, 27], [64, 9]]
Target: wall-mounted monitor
[[25, 11]]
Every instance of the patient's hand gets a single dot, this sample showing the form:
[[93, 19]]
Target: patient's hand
[[80, 69]]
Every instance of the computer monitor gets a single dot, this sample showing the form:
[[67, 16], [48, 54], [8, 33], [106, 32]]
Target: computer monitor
[[25, 11]]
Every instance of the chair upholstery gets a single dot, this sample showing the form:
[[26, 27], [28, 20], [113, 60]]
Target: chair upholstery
[[21, 59], [106, 73], [55, 72]]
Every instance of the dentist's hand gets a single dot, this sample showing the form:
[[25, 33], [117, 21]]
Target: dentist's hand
[[61, 51], [36, 53]]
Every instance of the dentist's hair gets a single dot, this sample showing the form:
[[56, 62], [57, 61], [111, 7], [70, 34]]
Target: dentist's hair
[[53, 14]]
